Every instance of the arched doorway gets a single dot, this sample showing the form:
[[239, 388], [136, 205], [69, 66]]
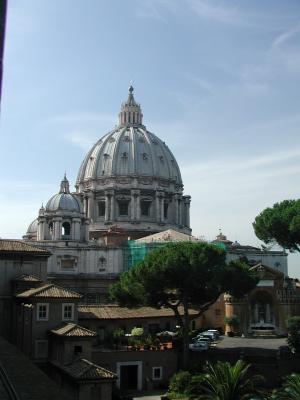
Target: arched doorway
[[262, 314]]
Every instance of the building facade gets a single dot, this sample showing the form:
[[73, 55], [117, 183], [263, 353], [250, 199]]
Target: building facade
[[128, 186]]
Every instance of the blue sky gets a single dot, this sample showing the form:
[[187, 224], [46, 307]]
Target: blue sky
[[217, 80]]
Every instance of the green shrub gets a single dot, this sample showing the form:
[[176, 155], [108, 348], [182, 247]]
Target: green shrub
[[232, 321], [293, 327], [137, 331], [180, 382]]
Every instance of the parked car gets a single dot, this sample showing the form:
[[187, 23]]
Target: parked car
[[198, 337], [203, 339], [199, 346], [211, 335], [215, 331]]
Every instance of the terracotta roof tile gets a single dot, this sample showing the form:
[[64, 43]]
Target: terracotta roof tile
[[84, 369], [27, 278], [19, 246], [73, 330], [116, 312], [49, 291]]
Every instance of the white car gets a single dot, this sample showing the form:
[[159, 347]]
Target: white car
[[199, 346], [215, 331], [211, 335]]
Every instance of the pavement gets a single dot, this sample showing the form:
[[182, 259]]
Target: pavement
[[150, 396], [226, 342]]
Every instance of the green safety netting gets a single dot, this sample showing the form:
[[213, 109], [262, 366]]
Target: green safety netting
[[134, 252]]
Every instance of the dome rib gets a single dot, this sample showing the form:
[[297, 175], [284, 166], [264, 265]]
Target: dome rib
[[114, 155]]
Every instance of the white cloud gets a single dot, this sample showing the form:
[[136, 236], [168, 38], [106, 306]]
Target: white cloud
[[155, 9], [82, 139], [238, 166], [215, 11], [285, 36]]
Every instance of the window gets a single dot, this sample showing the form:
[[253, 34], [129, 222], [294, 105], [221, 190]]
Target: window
[[101, 208], [101, 333], [67, 312], [42, 312], [157, 373], [166, 210], [102, 263], [123, 207], [50, 226], [41, 348], [66, 229], [77, 350], [145, 208], [67, 264]]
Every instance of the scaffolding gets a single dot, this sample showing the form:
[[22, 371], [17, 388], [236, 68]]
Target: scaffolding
[[134, 252]]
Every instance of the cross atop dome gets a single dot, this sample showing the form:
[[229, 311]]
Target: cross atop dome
[[131, 113]]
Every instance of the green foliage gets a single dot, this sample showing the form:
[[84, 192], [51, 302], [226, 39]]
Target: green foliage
[[195, 273], [118, 334], [137, 331], [221, 381], [290, 389], [280, 224], [293, 326], [179, 383], [192, 275], [232, 320], [224, 381]]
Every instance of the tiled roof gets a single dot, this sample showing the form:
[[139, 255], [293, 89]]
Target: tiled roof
[[73, 330], [28, 381], [169, 235], [84, 369], [19, 246], [49, 290], [116, 312], [27, 278]]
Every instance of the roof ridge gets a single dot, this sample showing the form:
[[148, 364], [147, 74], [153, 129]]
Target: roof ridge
[[64, 288], [93, 365], [39, 289]]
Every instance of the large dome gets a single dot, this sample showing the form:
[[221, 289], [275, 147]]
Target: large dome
[[130, 179], [130, 150]]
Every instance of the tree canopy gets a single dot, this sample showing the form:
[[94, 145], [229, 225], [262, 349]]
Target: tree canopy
[[187, 275], [280, 224]]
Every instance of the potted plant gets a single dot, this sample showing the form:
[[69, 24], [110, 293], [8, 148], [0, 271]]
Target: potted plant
[[118, 334], [233, 322]]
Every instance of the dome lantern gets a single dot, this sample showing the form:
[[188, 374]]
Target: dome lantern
[[64, 185], [131, 113]]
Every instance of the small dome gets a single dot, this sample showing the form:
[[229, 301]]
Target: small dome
[[64, 200], [32, 227]]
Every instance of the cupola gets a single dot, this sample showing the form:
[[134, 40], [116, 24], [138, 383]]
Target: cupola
[[131, 113]]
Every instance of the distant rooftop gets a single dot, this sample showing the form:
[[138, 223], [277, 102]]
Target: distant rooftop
[[117, 312], [169, 235], [73, 330], [49, 291], [18, 246], [83, 369]]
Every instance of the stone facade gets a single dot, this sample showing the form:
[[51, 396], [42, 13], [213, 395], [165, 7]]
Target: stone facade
[[265, 309]]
